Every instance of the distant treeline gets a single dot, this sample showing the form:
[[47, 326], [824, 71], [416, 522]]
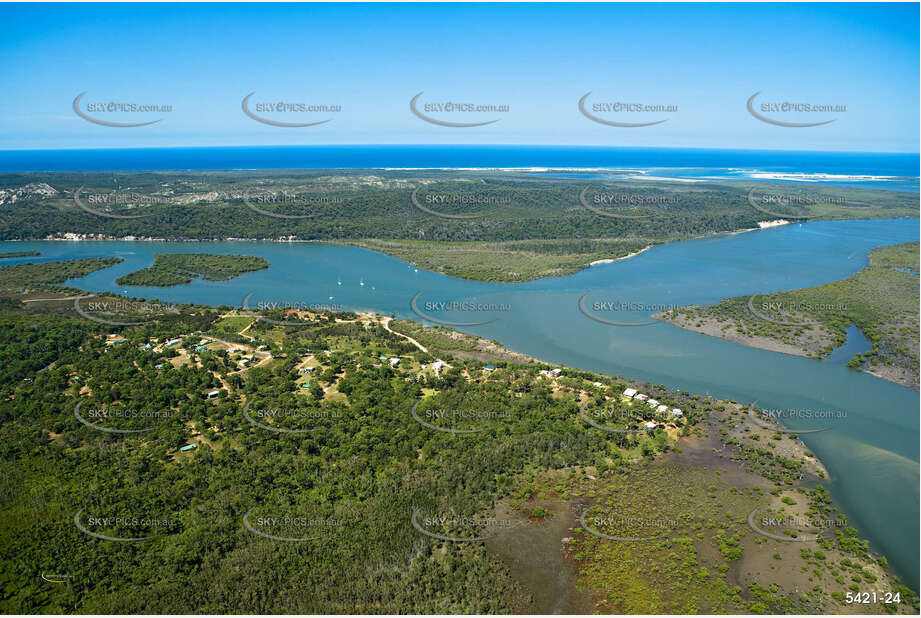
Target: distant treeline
[[353, 205]]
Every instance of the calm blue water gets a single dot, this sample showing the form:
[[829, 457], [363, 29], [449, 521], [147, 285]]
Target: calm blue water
[[855, 344], [871, 454], [671, 162]]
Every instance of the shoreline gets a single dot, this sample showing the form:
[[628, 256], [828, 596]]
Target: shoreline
[[623, 257], [713, 328]]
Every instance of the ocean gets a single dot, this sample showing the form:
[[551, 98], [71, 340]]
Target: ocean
[[896, 171]]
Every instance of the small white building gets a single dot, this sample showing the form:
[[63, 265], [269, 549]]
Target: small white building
[[677, 413], [649, 425], [598, 385], [555, 373], [662, 409], [641, 396], [630, 392], [437, 366], [652, 403], [394, 361], [213, 394]]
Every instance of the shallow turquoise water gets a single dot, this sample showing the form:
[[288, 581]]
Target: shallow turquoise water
[[871, 453]]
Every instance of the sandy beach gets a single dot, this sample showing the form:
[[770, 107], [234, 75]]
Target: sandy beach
[[629, 255]]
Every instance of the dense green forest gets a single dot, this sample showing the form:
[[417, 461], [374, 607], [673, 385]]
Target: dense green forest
[[178, 268], [205, 461], [498, 226], [23, 278]]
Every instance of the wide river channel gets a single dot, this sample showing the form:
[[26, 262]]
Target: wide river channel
[[870, 445]]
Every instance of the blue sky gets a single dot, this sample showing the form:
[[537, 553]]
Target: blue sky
[[538, 59]]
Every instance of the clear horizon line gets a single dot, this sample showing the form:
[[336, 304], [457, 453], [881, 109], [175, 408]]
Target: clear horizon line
[[391, 145]]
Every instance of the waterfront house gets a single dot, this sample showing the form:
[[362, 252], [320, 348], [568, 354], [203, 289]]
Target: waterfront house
[[630, 392]]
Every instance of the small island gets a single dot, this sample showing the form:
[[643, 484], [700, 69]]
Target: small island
[[18, 279], [171, 269], [881, 300], [16, 254]]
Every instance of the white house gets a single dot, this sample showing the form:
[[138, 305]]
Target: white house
[[662, 409], [677, 413], [555, 373], [394, 361], [630, 392], [652, 403], [641, 396], [213, 394], [437, 366], [649, 425]]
